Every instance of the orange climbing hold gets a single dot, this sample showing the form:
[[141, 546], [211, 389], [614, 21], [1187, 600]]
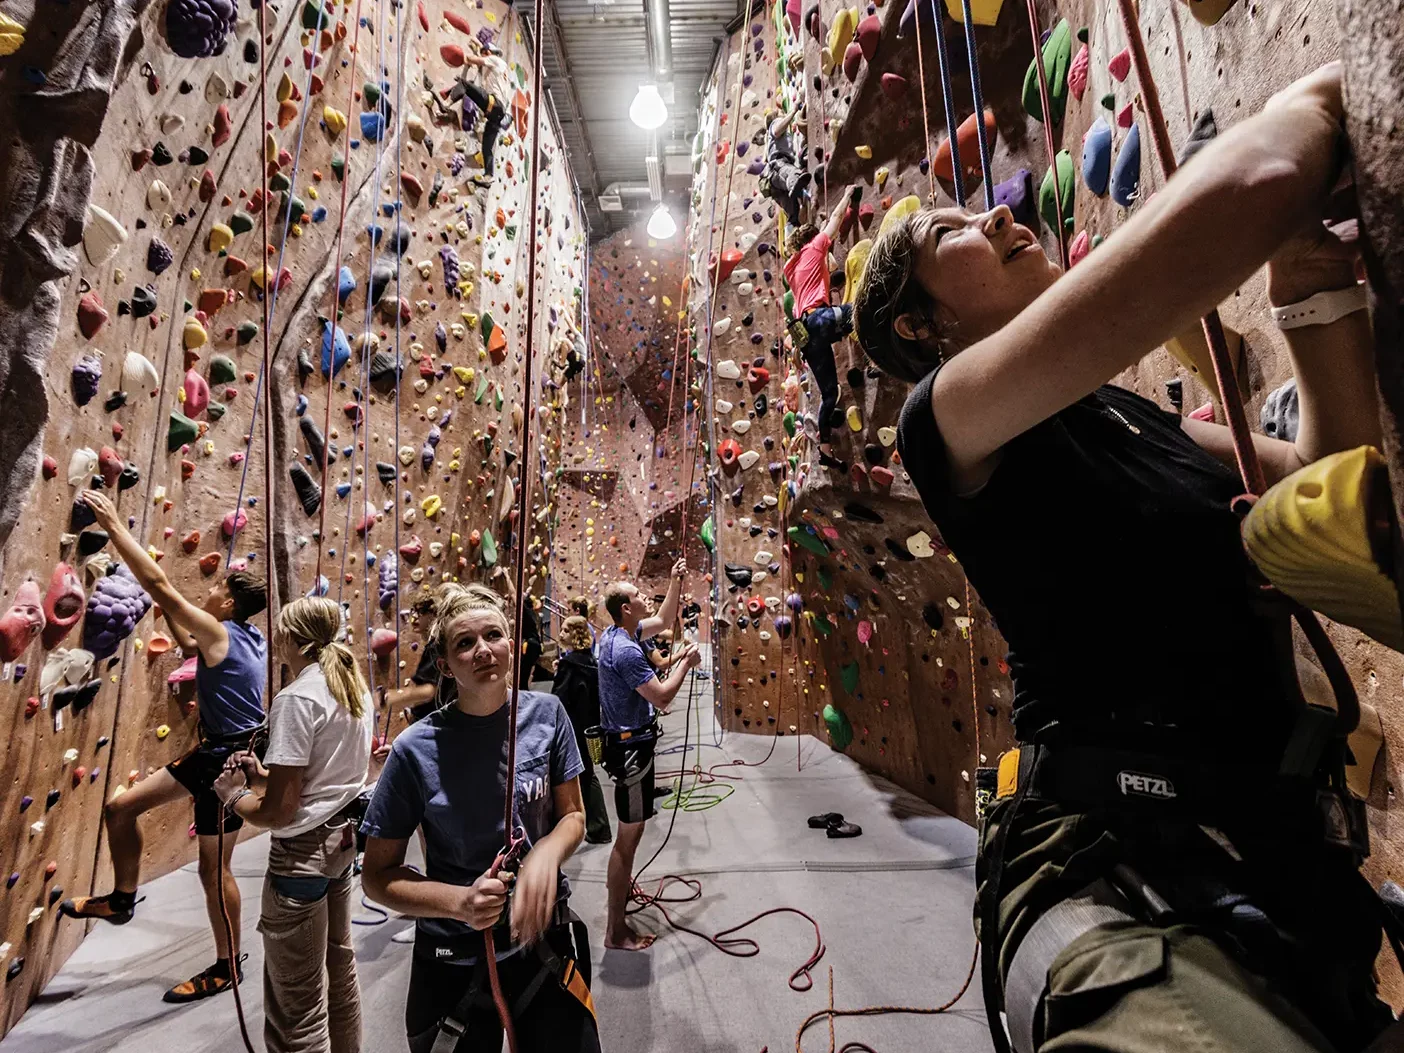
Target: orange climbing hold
[[497, 346], [968, 139]]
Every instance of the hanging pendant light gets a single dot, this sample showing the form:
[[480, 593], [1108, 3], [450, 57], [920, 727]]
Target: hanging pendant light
[[648, 110], [661, 225]]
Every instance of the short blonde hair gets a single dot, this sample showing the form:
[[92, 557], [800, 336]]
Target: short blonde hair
[[312, 625], [575, 633]]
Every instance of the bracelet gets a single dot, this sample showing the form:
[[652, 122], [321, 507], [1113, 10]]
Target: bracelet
[[229, 806], [1321, 309]]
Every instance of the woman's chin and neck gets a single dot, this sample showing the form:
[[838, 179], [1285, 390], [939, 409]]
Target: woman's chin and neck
[[482, 696]]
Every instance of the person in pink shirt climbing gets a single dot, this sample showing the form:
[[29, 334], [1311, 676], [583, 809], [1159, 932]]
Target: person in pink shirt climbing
[[819, 324]]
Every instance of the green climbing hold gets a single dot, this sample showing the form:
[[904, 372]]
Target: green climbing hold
[[1047, 206], [181, 431], [708, 534], [246, 332], [482, 389], [826, 578], [849, 675], [215, 410], [1057, 58], [1097, 239], [497, 398], [222, 369], [487, 448], [279, 182], [840, 730], [803, 538], [370, 93], [790, 424], [486, 325], [488, 548], [789, 305], [338, 165], [822, 625], [241, 222], [1109, 101], [315, 16]]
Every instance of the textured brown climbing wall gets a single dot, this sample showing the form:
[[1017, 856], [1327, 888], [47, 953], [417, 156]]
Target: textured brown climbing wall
[[171, 267]]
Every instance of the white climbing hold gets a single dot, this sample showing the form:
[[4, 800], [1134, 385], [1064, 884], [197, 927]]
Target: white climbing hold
[[772, 603], [138, 374], [919, 545], [745, 289], [172, 123], [748, 99], [759, 576], [741, 425], [763, 557], [747, 459], [728, 370], [769, 500], [102, 236], [887, 435], [82, 466], [744, 522], [158, 196], [436, 549], [216, 89], [723, 406], [721, 326], [748, 241], [406, 455], [765, 635], [740, 275]]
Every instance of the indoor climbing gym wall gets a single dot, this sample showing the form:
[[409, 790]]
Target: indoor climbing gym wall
[[216, 292], [624, 489]]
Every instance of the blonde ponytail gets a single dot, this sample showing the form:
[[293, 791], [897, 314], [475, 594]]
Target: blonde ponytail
[[312, 625]]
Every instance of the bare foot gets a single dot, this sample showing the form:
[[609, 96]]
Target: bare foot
[[629, 940]]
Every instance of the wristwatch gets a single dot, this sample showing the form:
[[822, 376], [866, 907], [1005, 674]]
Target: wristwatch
[[1321, 309]]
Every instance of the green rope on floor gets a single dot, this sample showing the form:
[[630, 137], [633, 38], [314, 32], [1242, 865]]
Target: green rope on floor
[[697, 798]]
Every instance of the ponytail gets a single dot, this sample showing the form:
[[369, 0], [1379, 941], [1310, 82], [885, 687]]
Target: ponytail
[[312, 625]]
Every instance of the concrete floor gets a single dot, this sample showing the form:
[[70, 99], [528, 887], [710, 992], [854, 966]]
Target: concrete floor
[[894, 906]]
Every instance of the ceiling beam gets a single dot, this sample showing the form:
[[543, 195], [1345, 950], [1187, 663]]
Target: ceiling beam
[[576, 110]]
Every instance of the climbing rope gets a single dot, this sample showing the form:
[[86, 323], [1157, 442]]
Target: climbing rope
[[1048, 131], [968, 18], [943, 64], [925, 118]]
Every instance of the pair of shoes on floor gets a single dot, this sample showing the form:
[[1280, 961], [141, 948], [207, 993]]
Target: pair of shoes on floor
[[835, 825], [212, 981]]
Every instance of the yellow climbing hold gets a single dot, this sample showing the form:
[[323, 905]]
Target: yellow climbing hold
[[432, 506], [163, 731], [855, 419], [982, 12], [864, 151], [909, 204], [285, 88], [193, 335], [463, 373], [842, 30], [11, 35], [880, 177], [221, 237], [258, 277], [334, 119], [855, 264]]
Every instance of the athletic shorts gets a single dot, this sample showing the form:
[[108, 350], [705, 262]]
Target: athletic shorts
[[198, 770], [630, 765]]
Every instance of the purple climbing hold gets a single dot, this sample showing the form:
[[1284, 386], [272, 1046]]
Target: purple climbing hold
[[158, 256], [449, 256], [87, 372], [795, 602], [117, 603], [198, 28], [1017, 192], [756, 167], [389, 581]]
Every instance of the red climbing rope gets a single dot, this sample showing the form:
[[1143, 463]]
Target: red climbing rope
[[673, 373], [925, 119], [1048, 130], [1229, 392], [336, 295]]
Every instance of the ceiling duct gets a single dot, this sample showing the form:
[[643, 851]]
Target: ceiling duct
[[660, 39]]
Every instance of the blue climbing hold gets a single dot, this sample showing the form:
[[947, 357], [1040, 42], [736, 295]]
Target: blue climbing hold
[[337, 355], [301, 405], [319, 214], [346, 284], [1096, 156], [373, 125], [1126, 176], [342, 489], [375, 232]]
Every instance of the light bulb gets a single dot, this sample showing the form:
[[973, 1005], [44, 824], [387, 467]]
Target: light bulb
[[648, 110], [661, 224]]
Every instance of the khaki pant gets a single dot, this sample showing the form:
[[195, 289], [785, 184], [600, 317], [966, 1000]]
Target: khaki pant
[[311, 997]]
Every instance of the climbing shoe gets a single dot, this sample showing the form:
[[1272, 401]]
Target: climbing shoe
[[116, 907], [819, 822], [832, 463], [481, 182], [840, 828], [212, 981]]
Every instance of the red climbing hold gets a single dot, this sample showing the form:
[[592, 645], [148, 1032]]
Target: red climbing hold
[[109, 466], [865, 215], [50, 467], [881, 476], [852, 61], [458, 22], [723, 151], [1120, 65], [92, 315], [211, 300], [413, 187], [410, 551], [894, 86], [63, 605], [968, 139], [190, 542], [223, 126], [209, 563], [757, 377], [383, 641], [1077, 72], [869, 30], [730, 260], [423, 16], [187, 470], [452, 54], [729, 452], [1126, 116]]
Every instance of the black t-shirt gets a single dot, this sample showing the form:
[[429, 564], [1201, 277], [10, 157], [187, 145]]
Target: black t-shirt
[[1112, 564]]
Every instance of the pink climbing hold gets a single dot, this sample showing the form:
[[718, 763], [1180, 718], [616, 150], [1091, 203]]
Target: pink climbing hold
[[1077, 72], [881, 476], [1125, 116], [1120, 65], [865, 632], [1078, 250], [234, 522], [869, 30], [109, 466], [383, 641], [792, 14], [22, 622], [852, 61], [197, 393], [63, 605], [894, 86], [1205, 412]]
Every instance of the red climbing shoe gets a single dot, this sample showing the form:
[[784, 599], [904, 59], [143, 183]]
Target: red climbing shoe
[[212, 981], [100, 907]]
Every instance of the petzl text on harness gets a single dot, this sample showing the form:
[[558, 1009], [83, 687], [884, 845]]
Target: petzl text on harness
[[1325, 537]]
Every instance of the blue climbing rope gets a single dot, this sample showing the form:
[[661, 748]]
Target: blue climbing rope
[[979, 96], [943, 64]]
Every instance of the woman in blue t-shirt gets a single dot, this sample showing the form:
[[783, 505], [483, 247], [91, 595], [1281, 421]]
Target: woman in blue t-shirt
[[447, 774], [1110, 918]]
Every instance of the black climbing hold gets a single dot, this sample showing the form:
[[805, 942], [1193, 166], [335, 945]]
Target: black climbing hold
[[308, 492], [900, 551], [143, 301], [197, 156], [80, 516], [15, 967], [1204, 130], [51, 799], [115, 401], [305, 368], [856, 377], [387, 472], [381, 276], [738, 574], [762, 406], [158, 256], [872, 453], [878, 571], [131, 475], [316, 442], [932, 615], [1175, 392], [79, 696], [160, 156], [55, 894], [90, 541]]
